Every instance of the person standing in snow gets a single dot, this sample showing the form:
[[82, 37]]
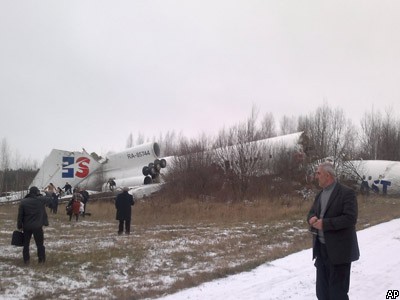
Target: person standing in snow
[[56, 200], [51, 191], [74, 205], [32, 217], [123, 204], [333, 217]]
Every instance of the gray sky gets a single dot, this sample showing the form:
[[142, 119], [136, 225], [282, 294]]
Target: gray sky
[[86, 74]]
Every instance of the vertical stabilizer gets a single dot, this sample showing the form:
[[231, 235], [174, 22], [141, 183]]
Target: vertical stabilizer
[[65, 166]]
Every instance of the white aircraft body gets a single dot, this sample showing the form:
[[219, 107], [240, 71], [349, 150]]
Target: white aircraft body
[[133, 167], [378, 176], [139, 167]]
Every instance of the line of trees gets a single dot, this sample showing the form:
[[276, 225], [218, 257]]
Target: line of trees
[[330, 131], [232, 166], [15, 173], [238, 170]]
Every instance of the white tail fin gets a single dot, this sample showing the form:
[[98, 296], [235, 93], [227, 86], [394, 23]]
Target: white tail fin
[[62, 166], [81, 169]]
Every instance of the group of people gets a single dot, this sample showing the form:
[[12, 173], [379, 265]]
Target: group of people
[[332, 219], [32, 215], [55, 194]]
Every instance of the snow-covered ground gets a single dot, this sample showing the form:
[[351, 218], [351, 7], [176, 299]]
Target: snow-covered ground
[[293, 277], [161, 255]]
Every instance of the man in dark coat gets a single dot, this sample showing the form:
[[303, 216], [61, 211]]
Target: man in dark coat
[[68, 188], [333, 217], [123, 204], [32, 217]]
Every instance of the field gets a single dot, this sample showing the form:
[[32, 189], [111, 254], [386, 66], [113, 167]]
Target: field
[[172, 246]]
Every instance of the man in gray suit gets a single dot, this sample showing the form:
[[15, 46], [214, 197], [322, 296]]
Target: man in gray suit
[[333, 217]]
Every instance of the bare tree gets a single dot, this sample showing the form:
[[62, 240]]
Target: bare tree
[[240, 157], [390, 137], [288, 125], [227, 166], [342, 143], [380, 136], [267, 129], [4, 163], [249, 130], [371, 126], [331, 134], [140, 139], [129, 141], [192, 172], [169, 144]]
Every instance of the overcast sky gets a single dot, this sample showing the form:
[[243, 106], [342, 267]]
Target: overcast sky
[[86, 74]]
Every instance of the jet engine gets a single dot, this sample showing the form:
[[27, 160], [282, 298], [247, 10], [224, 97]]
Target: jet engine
[[152, 170]]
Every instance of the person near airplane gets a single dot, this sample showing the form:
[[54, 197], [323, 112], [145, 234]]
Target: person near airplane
[[51, 191], [111, 184], [74, 205], [333, 216], [32, 217], [85, 199], [67, 188], [123, 203]]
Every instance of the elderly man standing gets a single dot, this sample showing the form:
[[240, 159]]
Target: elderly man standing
[[123, 204], [32, 217], [333, 216]]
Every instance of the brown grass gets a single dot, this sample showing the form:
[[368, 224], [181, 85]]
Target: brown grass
[[188, 242]]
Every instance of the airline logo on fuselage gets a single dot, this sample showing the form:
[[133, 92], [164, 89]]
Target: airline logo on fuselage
[[80, 168]]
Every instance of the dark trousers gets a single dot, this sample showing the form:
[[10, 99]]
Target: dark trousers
[[333, 281], [54, 204], [38, 236], [54, 207], [127, 226], [76, 216]]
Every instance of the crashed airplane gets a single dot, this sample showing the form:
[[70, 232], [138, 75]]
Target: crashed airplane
[[377, 176], [138, 168], [134, 167]]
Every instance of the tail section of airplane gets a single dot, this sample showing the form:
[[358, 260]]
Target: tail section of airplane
[[136, 166], [140, 166], [63, 166], [132, 167]]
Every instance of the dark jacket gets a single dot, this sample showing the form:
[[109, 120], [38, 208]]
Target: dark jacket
[[67, 187], [339, 225], [123, 204], [32, 213], [85, 196]]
